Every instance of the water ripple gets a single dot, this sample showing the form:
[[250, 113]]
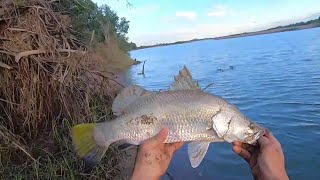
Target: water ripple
[[276, 83]]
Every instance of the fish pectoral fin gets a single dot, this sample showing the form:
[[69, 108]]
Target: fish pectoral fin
[[184, 81], [197, 150], [127, 96]]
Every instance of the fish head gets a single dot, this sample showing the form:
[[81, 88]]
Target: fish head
[[245, 130], [231, 125], [253, 133]]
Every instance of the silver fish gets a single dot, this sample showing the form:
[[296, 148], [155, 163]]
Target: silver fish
[[190, 114]]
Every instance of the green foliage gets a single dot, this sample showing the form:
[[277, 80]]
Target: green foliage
[[315, 21], [87, 17]]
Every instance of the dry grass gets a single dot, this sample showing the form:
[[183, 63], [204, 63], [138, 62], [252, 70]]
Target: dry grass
[[48, 83], [112, 56], [61, 164]]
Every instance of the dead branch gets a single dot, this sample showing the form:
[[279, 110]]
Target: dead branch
[[92, 36], [20, 29], [43, 51], [142, 73], [3, 100], [6, 66], [6, 52], [208, 86], [28, 53]]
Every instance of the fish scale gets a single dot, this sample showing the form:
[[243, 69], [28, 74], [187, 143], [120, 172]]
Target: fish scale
[[189, 113], [187, 122]]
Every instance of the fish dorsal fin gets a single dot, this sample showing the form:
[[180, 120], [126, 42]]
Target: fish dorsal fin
[[197, 150], [184, 81], [127, 96]]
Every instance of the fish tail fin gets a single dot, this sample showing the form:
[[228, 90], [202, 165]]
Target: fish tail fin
[[86, 146]]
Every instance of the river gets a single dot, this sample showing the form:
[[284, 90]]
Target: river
[[274, 79]]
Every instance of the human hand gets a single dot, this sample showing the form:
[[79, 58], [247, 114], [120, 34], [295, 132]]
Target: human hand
[[265, 160], [154, 157]]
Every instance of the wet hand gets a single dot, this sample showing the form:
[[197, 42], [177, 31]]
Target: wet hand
[[154, 157], [266, 160]]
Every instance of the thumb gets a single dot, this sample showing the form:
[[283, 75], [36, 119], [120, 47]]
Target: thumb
[[263, 141], [157, 139]]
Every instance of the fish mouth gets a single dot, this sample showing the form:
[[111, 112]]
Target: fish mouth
[[256, 136]]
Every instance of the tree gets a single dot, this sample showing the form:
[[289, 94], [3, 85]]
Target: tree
[[103, 21], [122, 28]]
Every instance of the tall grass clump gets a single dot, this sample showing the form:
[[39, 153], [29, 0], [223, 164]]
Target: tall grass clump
[[48, 83]]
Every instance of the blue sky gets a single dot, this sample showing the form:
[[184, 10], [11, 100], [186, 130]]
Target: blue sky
[[166, 21]]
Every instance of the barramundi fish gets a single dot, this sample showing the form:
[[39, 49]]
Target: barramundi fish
[[190, 114]]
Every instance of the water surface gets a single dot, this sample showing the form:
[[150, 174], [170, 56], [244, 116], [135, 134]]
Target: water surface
[[274, 79]]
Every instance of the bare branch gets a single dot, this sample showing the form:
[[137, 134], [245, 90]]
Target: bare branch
[[208, 86], [20, 29], [7, 52], [6, 66], [42, 51]]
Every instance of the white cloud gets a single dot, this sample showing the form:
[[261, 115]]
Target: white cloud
[[219, 11], [190, 15], [188, 33]]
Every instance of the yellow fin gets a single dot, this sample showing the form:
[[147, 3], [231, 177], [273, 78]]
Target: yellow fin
[[85, 145]]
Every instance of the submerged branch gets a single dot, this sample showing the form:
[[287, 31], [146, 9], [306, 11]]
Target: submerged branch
[[142, 73], [209, 85]]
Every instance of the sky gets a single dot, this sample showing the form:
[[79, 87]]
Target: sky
[[165, 21]]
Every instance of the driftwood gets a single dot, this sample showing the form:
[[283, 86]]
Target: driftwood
[[142, 72]]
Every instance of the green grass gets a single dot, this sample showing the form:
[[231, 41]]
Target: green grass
[[53, 151]]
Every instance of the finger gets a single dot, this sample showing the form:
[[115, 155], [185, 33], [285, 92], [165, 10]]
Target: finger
[[263, 141], [242, 152], [157, 139], [173, 147], [248, 147], [237, 143], [271, 137]]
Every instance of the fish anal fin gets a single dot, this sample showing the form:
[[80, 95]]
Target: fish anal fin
[[196, 151], [127, 96], [184, 81]]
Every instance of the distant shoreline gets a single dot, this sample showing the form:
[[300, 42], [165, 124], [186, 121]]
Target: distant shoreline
[[268, 31]]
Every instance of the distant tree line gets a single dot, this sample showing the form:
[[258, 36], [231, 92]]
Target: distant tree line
[[315, 22], [90, 20]]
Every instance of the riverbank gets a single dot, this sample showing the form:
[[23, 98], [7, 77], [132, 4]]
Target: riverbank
[[268, 31], [52, 78]]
